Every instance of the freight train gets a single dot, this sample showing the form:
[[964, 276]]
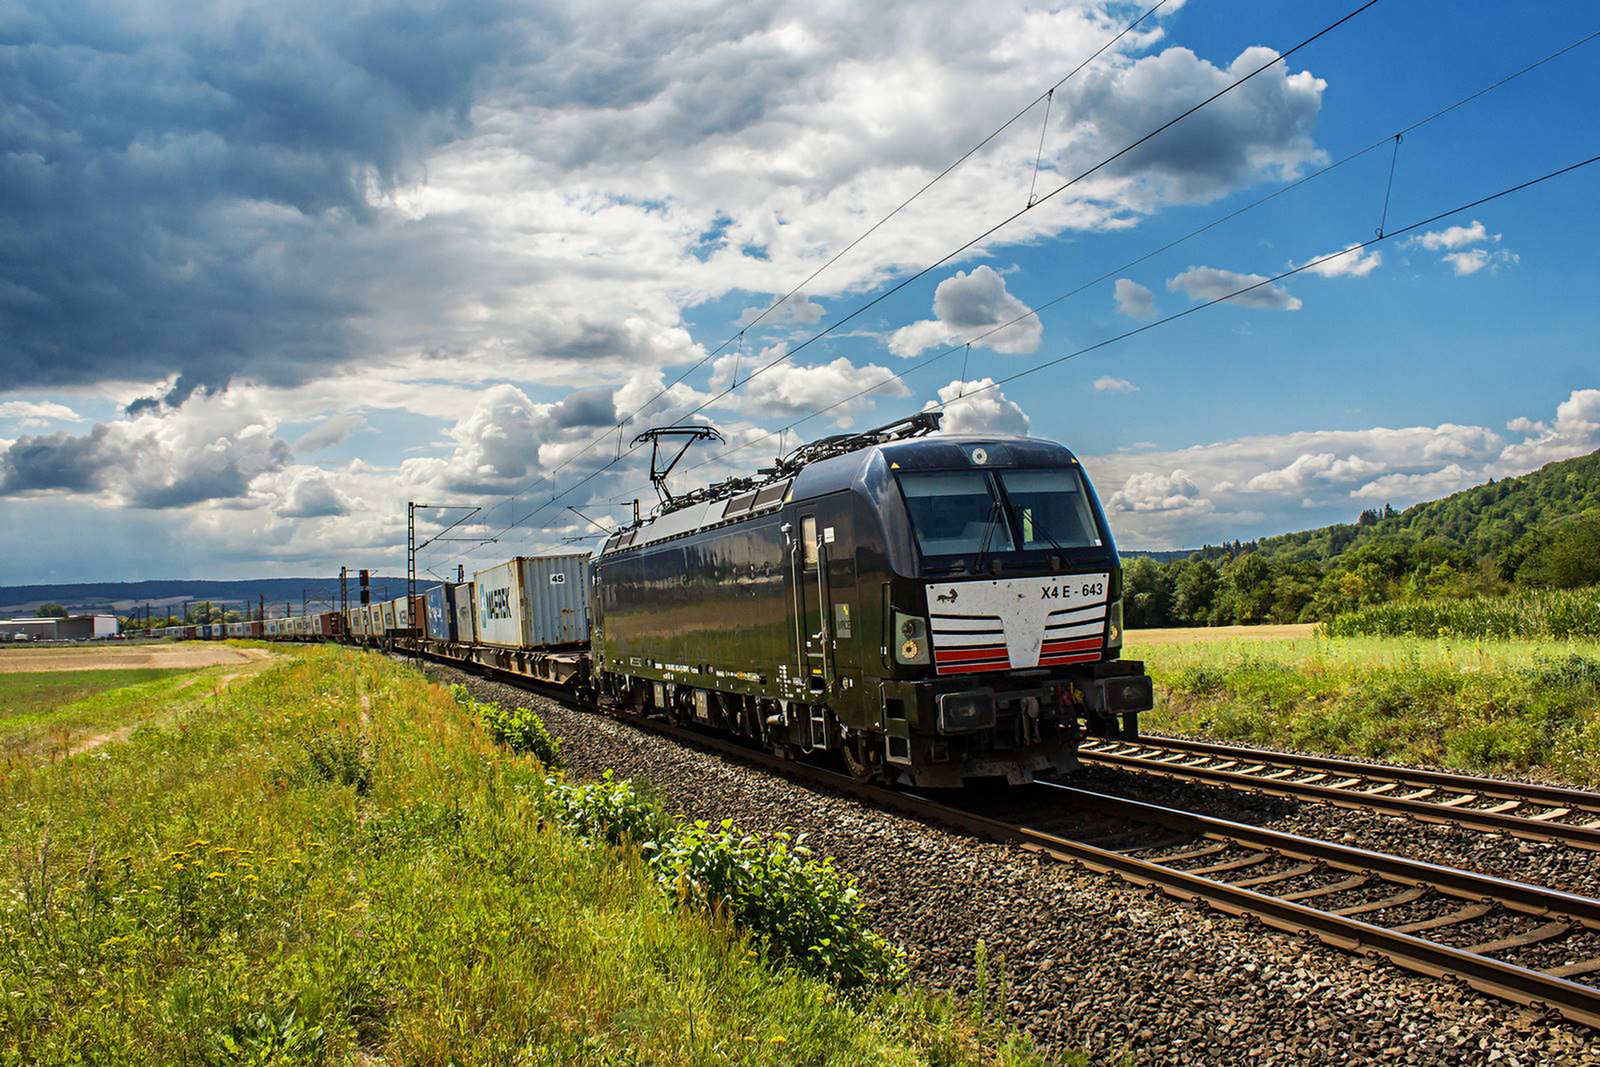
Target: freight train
[[927, 609]]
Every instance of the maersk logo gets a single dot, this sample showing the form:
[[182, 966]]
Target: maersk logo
[[497, 603]]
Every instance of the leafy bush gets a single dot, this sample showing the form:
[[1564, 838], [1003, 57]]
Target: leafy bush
[[519, 729], [1572, 614], [608, 811], [805, 911]]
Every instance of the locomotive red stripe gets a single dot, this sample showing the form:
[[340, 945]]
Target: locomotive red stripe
[[1052, 648], [956, 655], [1082, 657], [972, 668]]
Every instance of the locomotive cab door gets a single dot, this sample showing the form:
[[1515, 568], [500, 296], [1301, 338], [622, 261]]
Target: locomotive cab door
[[824, 579]]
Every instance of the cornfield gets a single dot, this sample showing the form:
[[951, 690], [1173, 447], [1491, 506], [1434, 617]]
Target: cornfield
[[1557, 615]]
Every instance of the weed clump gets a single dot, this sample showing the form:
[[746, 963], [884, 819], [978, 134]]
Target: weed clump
[[340, 757]]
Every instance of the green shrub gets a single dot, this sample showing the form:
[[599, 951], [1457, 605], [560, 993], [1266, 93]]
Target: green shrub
[[519, 729], [806, 912], [608, 811]]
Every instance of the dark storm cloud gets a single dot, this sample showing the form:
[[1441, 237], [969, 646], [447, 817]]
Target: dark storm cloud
[[171, 182]]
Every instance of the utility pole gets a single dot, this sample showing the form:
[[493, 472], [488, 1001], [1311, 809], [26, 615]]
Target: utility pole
[[412, 548]]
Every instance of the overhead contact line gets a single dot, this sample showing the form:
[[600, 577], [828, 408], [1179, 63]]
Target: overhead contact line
[[837, 256], [964, 247]]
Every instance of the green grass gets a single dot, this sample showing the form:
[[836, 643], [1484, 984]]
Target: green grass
[[332, 862], [1572, 614], [1497, 706], [58, 710]]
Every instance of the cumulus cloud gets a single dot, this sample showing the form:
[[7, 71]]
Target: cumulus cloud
[[1473, 260], [1352, 262], [1213, 283], [966, 410], [1452, 237], [1172, 491], [1134, 300], [1455, 243], [312, 495], [31, 414], [1575, 431], [212, 448], [1424, 486], [1275, 479], [789, 389], [1108, 384], [1264, 127], [965, 305]]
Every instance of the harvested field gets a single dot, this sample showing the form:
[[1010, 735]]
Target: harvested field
[[190, 655]]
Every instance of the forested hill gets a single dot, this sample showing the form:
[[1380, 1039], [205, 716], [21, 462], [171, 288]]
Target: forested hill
[[1538, 530], [1484, 522]]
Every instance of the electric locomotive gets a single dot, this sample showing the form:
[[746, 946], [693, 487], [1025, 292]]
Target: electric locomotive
[[933, 609]]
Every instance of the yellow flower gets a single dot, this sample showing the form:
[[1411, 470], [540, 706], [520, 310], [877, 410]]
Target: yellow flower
[[216, 874]]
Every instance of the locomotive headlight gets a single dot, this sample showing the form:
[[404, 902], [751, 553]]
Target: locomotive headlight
[[912, 630], [1114, 631]]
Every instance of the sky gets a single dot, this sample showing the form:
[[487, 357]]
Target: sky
[[271, 271]]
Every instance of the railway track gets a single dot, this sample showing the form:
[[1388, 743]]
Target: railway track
[[1525, 810], [1511, 940]]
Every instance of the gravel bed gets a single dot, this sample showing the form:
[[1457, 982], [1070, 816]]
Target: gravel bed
[[1089, 962]]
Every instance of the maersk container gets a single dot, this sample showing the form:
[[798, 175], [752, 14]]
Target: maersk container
[[441, 612], [466, 630], [534, 601]]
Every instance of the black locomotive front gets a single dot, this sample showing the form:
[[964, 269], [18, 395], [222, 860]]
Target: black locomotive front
[[932, 610]]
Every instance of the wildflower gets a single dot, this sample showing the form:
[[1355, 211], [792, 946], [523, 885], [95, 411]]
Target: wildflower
[[215, 874]]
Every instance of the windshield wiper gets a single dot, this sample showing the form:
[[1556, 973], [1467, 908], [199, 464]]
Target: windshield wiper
[[1038, 527], [996, 516]]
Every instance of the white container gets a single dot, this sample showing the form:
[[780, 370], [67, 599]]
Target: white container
[[534, 602], [466, 627]]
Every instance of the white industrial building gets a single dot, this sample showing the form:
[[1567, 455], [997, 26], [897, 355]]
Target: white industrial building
[[70, 628]]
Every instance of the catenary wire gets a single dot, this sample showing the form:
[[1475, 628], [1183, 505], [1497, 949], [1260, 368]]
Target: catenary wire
[[929, 360], [1243, 79], [907, 202]]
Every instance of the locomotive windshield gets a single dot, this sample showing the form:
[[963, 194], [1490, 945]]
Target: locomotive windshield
[[966, 512], [955, 513], [1051, 508]]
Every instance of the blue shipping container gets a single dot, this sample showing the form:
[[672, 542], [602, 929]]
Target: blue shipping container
[[442, 613]]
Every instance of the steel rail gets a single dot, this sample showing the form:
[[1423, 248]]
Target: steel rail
[[1528, 792], [1508, 981], [1494, 820]]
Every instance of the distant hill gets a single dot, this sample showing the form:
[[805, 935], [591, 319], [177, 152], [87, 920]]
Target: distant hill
[[1484, 522], [122, 597]]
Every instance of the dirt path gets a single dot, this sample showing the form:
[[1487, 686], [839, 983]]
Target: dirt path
[[1183, 635], [123, 657], [76, 745]]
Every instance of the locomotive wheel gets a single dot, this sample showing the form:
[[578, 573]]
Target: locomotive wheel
[[857, 759]]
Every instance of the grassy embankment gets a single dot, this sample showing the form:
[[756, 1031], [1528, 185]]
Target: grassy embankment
[[1496, 706], [332, 861]]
